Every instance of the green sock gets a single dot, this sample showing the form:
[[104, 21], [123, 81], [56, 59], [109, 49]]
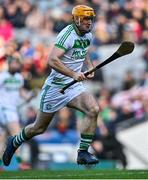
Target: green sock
[[20, 138], [86, 140]]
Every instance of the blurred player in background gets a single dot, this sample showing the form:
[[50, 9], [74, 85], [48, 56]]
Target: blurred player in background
[[11, 88], [66, 60]]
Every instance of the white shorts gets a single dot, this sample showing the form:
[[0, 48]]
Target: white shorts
[[8, 115], [52, 100]]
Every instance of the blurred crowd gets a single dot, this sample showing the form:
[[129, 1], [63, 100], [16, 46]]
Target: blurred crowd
[[30, 28], [116, 20]]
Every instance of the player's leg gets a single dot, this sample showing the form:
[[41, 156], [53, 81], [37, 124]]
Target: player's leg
[[2, 140], [3, 134], [12, 124], [2, 143], [14, 128], [38, 127], [86, 103]]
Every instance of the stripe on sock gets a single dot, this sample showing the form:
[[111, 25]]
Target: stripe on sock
[[86, 140], [17, 140], [87, 136], [20, 138]]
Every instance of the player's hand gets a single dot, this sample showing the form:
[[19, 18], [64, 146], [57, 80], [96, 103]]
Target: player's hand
[[34, 92], [79, 76], [90, 76]]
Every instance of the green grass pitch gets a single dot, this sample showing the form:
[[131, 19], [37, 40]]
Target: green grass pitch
[[76, 174]]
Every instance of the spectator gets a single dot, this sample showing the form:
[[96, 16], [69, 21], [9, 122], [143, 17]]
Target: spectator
[[126, 111], [95, 60], [106, 112], [65, 120], [121, 20], [61, 22], [24, 8], [128, 81], [145, 58], [106, 145], [2, 56], [101, 30], [30, 19], [145, 32], [11, 13], [6, 28]]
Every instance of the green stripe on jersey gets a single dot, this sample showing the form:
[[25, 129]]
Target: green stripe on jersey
[[65, 35], [60, 46], [70, 28], [43, 97]]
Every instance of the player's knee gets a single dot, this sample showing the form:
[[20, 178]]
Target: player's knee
[[93, 112]]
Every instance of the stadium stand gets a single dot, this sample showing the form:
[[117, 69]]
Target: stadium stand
[[30, 28]]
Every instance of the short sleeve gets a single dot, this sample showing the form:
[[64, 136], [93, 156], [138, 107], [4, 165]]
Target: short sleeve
[[64, 39]]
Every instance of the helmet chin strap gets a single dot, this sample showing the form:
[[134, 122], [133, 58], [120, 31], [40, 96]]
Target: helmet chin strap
[[79, 21]]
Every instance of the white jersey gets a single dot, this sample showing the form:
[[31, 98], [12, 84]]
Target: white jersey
[[9, 89], [76, 48]]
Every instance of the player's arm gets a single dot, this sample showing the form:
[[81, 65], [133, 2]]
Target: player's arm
[[27, 95], [89, 66], [56, 63]]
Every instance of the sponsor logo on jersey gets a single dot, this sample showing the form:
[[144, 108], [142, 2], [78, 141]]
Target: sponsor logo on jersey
[[48, 106], [79, 54], [12, 84], [81, 43]]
